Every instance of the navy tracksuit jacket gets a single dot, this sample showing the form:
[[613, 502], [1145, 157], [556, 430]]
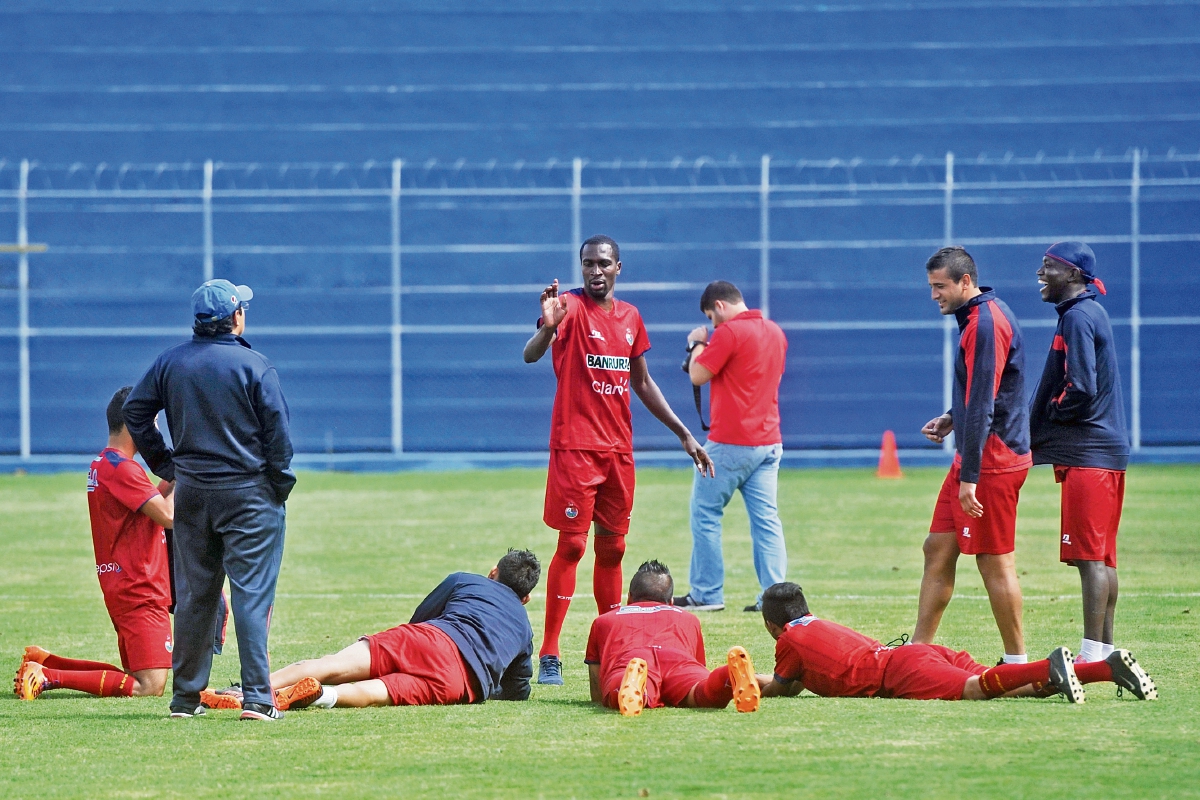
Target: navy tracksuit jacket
[[991, 422], [488, 623], [1077, 415]]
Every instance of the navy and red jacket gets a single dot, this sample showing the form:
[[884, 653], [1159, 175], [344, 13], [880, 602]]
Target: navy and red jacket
[[991, 421], [1077, 415], [488, 623]]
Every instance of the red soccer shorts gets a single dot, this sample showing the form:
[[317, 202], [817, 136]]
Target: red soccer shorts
[[995, 533], [143, 637], [587, 485], [1091, 513], [928, 672], [670, 676], [421, 666]]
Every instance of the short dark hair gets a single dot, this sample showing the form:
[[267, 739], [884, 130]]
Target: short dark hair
[[115, 419], [600, 238], [719, 290], [956, 261], [652, 581], [783, 603], [519, 570], [211, 329]]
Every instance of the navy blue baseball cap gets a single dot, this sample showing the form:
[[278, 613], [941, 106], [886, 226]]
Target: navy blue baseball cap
[[1080, 256], [218, 299]]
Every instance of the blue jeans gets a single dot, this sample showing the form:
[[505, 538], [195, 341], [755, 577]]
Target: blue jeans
[[754, 471]]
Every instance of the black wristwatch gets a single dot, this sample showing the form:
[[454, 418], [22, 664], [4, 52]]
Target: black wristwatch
[[692, 345]]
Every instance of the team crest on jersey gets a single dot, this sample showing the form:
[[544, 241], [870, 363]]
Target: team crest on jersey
[[609, 363], [572, 512], [629, 336]]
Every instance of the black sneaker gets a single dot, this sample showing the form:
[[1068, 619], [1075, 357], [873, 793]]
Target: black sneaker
[[187, 711], [1128, 675], [691, 605], [261, 712], [753, 609], [1062, 675], [550, 671]]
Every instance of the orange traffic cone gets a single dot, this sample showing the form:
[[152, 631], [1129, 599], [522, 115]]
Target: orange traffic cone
[[889, 460]]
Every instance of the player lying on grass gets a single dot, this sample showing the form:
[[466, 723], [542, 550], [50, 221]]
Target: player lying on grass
[[651, 653], [468, 641], [834, 661], [128, 516]]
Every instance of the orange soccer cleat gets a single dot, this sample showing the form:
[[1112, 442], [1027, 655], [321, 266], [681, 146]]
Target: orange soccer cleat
[[35, 654], [222, 699], [631, 698], [300, 694], [30, 681], [746, 694]]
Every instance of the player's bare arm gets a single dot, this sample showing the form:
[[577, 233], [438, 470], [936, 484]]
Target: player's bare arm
[[161, 510], [594, 683], [652, 397], [938, 428], [769, 687], [554, 311]]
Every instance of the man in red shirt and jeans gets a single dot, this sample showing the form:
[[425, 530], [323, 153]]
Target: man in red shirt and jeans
[[744, 361]]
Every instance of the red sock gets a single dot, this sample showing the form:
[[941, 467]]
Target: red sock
[[100, 682], [1093, 672], [606, 579], [1006, 677], [58, 662], [560, 586], [715, 691]]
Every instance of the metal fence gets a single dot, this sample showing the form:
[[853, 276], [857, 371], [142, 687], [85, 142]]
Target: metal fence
[[395, 296]]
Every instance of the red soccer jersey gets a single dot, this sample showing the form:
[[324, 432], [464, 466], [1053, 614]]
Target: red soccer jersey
[[592, 350], [131, 549], [746, 357], [619, 632], [830, 659]]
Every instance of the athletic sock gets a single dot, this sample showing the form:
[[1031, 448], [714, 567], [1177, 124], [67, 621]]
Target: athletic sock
[[560, 586], [328, 698], [714, 691], [1106, 650], [1093, 672], [1006, 677], [606, 578], [1021, 658], [76, 664], [99, 682], [1091, 650]]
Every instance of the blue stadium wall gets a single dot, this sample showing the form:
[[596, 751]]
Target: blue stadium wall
[[470, 91]]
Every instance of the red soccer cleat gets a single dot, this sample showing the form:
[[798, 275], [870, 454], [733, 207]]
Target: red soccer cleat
[[746, 694], [631, 698]]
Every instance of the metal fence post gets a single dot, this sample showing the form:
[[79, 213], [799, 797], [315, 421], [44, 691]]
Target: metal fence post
[[206, 202], [764, 235], [1135, 303], [397, 356], [23, 310], [948, 322]]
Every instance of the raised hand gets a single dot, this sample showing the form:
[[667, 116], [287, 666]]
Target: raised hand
[[554, 308]]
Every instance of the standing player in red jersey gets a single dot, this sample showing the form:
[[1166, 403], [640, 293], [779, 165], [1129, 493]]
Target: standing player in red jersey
[[128, 516], [599, 346], [976, 511], [650, 653], [832, 660]]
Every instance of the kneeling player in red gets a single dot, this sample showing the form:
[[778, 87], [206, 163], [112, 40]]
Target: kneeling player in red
[[650, 653], [128, 515], [832, 660], [468, 641]]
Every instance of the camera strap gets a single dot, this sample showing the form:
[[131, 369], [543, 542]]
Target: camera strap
[[699, 413]]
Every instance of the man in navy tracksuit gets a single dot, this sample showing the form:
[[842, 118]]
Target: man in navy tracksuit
[[1077, 423], [232, 466], [467, 642], [976, 512]]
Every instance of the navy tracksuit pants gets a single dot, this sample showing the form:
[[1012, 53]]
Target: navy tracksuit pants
[[219, 532]]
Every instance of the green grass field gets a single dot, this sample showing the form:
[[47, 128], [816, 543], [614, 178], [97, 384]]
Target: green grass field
[[363, 549]]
